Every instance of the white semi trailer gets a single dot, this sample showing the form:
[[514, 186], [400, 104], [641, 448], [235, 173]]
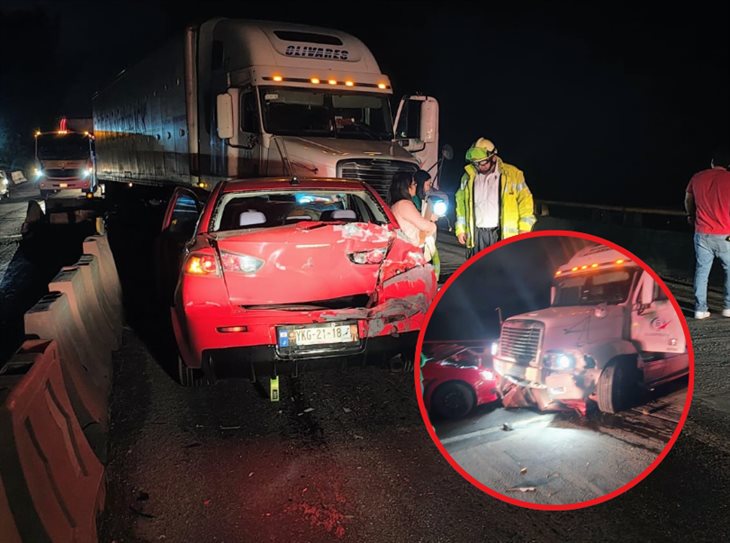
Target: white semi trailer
[[239, 98]]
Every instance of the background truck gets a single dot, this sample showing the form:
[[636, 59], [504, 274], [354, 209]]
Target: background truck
[[65, 158], [609, 328], [238, 98]]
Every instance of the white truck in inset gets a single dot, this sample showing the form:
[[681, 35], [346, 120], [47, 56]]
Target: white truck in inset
[[610, 330], [238, 98]]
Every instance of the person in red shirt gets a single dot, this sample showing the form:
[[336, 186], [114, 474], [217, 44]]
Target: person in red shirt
[[707, 202]]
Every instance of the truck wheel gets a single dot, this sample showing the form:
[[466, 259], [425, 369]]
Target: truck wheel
[[452, 400], [616, 387]]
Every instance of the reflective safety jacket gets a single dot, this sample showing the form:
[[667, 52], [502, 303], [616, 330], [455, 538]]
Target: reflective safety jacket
[[516, 213]]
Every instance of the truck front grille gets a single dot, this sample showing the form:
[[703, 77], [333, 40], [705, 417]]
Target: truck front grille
[[58, 173], [521, 340], [375, 172]]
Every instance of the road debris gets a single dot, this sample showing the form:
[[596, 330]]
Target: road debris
[[347, 410], [521, 489], [523, 471], [507, 427], [140, 513], [230, 427]]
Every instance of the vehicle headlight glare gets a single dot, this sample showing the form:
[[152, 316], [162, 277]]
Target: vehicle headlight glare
[[494, 348], [440, 208]]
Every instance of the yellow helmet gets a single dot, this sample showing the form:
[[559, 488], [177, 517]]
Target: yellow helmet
[[487, 145]]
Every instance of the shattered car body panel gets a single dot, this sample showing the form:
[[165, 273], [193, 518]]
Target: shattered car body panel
[[329, 284]]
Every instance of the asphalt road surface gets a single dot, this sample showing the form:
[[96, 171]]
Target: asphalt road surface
[[562, 458], [345, 456]]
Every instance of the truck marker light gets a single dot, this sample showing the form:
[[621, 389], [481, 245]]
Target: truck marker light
[[130, 184], [594, 265], [558, 273], [620, 261], [332, 81], [575, 268], [381, 85], [584, 266], [278, 78], [314, 80], [349, 84]]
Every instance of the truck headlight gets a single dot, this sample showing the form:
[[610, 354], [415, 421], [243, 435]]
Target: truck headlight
[[39, 173], [559, 361], [87, 172]]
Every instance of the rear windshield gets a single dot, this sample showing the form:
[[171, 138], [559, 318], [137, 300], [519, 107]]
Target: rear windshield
[[240, 210]]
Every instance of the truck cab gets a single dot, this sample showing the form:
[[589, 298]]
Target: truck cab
[[610, 330], [65, 160]]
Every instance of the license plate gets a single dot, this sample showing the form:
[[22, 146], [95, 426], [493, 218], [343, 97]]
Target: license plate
[[317, 335], [63, 185]]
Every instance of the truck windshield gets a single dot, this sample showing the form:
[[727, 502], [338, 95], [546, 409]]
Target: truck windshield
[[63, 146], [325, 113], [611, 287]]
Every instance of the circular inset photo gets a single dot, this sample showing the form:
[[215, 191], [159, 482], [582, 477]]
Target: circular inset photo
[[556, 370]]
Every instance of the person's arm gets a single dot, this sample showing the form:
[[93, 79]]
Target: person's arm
[[525, 206], [689, 204], [460, 202]]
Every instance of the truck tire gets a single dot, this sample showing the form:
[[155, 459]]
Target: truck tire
[[452, 400], [617, 386]]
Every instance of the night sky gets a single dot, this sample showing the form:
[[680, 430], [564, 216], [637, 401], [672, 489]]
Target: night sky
[[515, 277], [613, 104]]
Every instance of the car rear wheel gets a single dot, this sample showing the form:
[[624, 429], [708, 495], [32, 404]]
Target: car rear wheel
[[453, 400], [188, 377], [617, 386]]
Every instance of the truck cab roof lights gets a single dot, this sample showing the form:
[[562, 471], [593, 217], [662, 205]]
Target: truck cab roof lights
[[593, 266], [317, 81]]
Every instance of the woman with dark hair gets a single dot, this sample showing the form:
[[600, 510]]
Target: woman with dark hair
[[414, 226], [424, 184]]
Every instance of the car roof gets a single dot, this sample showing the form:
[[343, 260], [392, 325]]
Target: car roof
[[295, 183]]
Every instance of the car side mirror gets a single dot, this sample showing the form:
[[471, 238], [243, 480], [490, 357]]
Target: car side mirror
[[224, 116], [447, 152]]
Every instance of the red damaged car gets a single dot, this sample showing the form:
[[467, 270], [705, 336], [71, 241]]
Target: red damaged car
[[456, 379], [278, 271]]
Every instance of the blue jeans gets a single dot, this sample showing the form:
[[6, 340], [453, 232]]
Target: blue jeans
[[707, 247]]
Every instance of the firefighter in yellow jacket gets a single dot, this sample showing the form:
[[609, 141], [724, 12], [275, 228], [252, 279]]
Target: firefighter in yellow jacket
[[493, 201]]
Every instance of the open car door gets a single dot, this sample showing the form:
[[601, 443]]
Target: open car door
[[178, 227]]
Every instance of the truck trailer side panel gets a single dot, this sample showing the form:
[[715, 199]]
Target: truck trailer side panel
[[141, 122]]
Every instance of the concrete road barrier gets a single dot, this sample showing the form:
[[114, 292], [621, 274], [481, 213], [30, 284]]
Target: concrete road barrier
[[51, 318], [53, 482], [109, 323], [17, 177], [99, 247], [88, 321]]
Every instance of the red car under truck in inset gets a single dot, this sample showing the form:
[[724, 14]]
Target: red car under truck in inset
[[278, 271], [456, 379]]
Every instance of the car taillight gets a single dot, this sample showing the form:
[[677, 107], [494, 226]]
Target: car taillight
[[233, 262], [201, 265], [374, 256]]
